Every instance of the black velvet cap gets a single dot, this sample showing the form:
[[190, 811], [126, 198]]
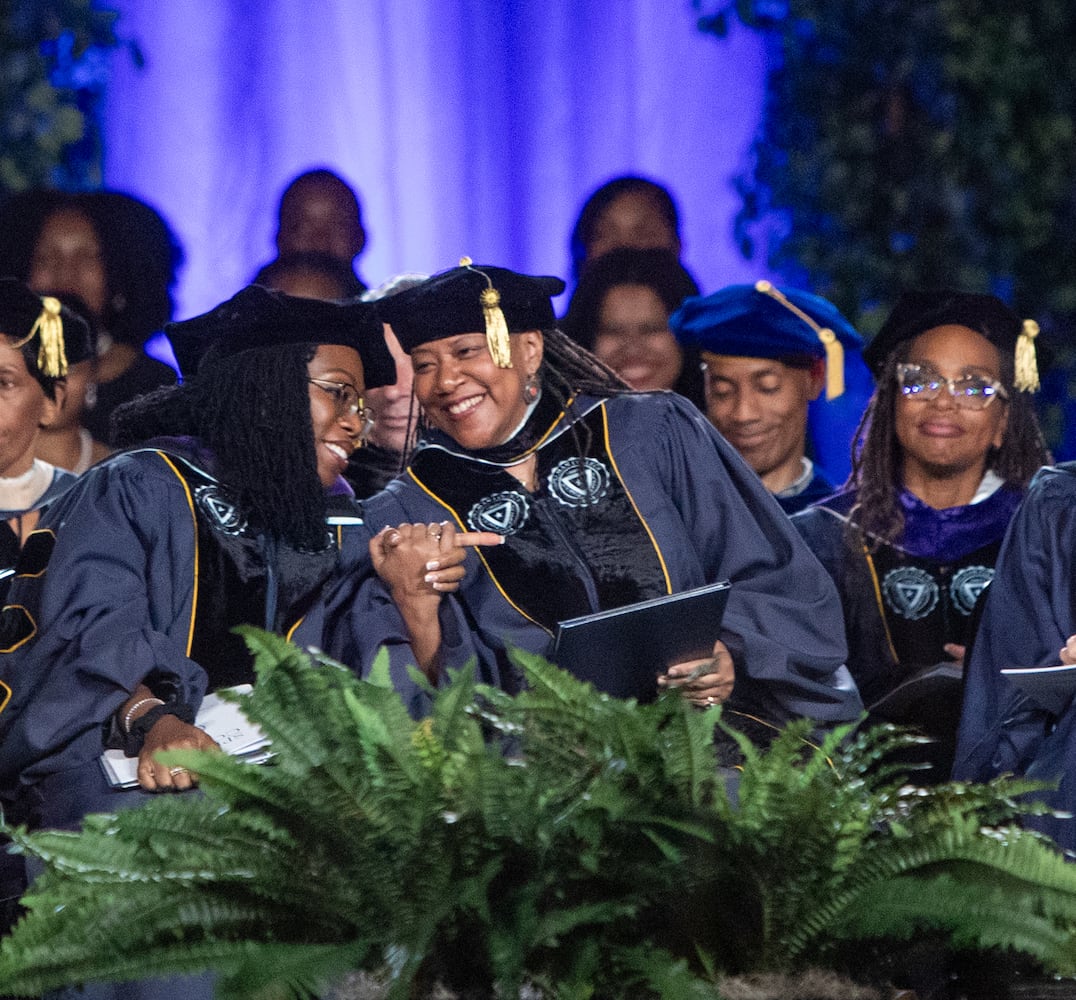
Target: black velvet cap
[[919, 311], [25, 315], [451, 303], [262, 317]]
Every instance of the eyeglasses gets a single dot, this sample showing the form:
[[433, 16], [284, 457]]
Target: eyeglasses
[[970, 392], [347, 401]]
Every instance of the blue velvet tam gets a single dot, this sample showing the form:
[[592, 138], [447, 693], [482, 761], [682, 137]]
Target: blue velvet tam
[[761, 321], [745, 322], [472, 298], [261, 317]]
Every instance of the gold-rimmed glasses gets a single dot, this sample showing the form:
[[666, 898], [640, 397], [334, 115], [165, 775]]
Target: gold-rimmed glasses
[[347, 401]]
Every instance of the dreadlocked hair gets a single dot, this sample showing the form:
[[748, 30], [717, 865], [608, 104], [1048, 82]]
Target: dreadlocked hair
[[876, 455], [570, 369], [253, 411]]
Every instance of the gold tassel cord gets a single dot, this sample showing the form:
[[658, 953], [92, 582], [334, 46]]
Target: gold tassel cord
[[1026, 376], [833, 347], [49, 329], [834, 363], [500, 347]]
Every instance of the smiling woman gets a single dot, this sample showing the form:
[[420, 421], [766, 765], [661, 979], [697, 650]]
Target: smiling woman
[[122, 609], [950, 444], [603, 497], [620, 310]]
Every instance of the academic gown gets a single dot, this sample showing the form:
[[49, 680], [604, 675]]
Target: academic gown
[[904, 601], [139, 571], [9, 541], [818, 488], [1029, 612], [638, 496]]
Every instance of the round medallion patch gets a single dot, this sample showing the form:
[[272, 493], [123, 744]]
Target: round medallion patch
[[504, 513], [219, 510], [966, 586], [910, 592], [579, 483]]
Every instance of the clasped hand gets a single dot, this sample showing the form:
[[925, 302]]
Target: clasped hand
[[703, 682], [424, 560]]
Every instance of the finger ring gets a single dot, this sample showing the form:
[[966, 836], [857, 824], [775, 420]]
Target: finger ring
[[177, 770], [711, 700]]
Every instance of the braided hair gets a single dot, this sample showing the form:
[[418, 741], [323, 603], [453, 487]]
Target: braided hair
[[877, 459], [253, 412]]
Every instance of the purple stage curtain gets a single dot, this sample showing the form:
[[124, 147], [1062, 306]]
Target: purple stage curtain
[[468, 126]]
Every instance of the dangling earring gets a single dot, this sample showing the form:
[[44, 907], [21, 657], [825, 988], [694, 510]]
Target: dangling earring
[[532, 388]]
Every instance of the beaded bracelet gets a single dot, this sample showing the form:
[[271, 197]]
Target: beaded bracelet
[[135, 738], [131, 711]]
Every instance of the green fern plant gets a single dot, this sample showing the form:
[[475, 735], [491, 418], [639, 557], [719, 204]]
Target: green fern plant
[[560, 838]]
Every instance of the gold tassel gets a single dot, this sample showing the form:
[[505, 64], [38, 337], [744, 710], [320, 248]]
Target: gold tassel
[[833, 347], [49, 328], [834, 363], [1027, 370], [500, 347]]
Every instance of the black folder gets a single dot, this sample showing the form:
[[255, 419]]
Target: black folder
[[1050, 688], [622, 651]]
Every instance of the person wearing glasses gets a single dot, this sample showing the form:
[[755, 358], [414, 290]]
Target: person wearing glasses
[[943, 457], [119, 618]]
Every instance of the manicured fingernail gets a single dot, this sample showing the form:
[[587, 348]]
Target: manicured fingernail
[[433, 564]]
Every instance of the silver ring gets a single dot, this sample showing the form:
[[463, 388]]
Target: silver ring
[[177, 770], [711, 700]]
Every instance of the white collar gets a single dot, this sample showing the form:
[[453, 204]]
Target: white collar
[[988, 486], [23, 491], [801, 482]]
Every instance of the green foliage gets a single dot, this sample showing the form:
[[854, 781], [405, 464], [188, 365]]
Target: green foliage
[[561, 838], [44, 102], [913, 145]]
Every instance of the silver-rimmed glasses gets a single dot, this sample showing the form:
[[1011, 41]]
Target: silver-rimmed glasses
[[972, 392], [347, 401]]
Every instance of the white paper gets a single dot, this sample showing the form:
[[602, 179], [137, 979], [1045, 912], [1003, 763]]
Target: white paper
[[233, 732]]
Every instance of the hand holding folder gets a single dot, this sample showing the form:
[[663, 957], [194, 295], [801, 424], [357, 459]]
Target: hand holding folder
[[623, 650]]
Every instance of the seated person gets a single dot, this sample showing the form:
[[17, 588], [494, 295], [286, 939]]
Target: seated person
[[620, 311], [123, 621], [40, 341], [766, 355], [1028, 612], [949, 444], [604, 496], [320, 213], [119, 257]]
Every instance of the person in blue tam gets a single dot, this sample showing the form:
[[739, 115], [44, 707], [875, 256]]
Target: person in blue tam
[[949, 444], [767, 354], [605, 497]]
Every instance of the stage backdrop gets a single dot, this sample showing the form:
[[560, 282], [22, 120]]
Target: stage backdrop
[[468, 126]]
